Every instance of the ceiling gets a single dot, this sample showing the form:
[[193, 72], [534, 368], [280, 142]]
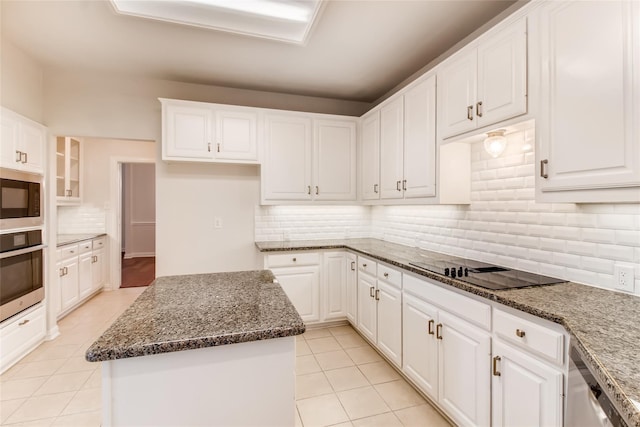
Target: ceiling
[[357, 50]]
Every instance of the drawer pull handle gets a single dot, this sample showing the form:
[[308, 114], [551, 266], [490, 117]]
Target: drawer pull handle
[[375, 188], [317, 190], [496, 373], [18, 156], [479, 109], [386, 274], [398, 185], [24, 322], [353, 266], [377, 295], [431, 322], [520, 333], [404, 184], [371, 288], [543, 172], [439, 331], [470, 112]]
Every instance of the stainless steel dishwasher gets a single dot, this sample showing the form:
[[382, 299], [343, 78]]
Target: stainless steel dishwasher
[[588, 405]]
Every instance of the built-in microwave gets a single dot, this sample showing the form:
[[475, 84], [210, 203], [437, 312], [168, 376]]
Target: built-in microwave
[[20, 200], [21, 271]]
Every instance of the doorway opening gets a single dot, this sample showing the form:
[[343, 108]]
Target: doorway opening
[[138, 222]]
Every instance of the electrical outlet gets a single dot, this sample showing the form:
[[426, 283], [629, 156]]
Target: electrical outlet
[[217, 222], [624, 277]]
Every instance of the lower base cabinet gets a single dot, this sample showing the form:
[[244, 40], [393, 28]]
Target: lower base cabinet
[[302, 286], [20, 334], [525, 391]]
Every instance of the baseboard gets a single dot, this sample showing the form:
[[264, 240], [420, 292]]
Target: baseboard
[[52, 333], [139, 255]]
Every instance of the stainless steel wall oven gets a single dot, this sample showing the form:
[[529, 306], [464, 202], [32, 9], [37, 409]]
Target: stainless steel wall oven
[[21, 271]]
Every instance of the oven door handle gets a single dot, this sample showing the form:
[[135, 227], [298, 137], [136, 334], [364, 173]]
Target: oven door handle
[[21, 251]]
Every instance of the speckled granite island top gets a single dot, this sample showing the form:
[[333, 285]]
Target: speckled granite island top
[[201, 310], [604, 324]]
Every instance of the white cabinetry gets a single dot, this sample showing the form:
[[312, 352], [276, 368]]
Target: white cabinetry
[[370, 156], [352, 288], [68, 170], [304, 165], [81, 271], [334, 286], [528, 363], [485, 83], [196, 131], [23, 143], [405, 129], [443, 353], [589, 114], [380, 307], [299, 276], [20, 334]]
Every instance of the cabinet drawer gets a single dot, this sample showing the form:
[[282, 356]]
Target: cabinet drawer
[[531, 336], [367, 265], [464, 307], [68, 251], [99, 243], [84, 247], [390, 275], [21, 335], [293, 259]]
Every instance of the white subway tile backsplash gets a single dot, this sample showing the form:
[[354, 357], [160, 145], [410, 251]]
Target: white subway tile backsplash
[[81, 219], [502, 225]]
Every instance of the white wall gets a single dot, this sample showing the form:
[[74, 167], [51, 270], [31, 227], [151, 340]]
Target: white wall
[[502, 225], [139, 209], [21, 82]]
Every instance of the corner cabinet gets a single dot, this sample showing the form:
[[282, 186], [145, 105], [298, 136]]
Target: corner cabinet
[[309, 158], [197, 131], [485, 83], [23, 143], [68, 171], [588, 121]]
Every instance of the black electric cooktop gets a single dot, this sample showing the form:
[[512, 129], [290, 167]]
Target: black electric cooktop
[[481, 274]]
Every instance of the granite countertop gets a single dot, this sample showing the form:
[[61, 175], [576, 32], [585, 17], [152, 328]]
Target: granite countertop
[[67, 239], [200, 310], [604, 324]]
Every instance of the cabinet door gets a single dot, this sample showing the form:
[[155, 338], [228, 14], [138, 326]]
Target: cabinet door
[[391, 149], [9, 158], [97, 270], [69, 292], [302, 286], [464, 361], [390, 321], [419, 344], [334, 160], [334, 279], [187, 132], [502, 75], [367, 317], [420, 140], [527, 392], [589, 132], [286, 170], [32, 140], [84, 276], [352, 289], [236, 135], [370, 156], [457, 95]]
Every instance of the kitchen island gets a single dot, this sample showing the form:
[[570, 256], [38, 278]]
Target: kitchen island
[[207, 349]]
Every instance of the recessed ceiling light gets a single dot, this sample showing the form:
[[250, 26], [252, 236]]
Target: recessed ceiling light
[[284, 20]]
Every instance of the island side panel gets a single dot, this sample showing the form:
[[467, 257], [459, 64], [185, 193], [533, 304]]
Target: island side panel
[[242, 384]]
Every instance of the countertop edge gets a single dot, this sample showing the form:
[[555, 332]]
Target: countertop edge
[[623, 402], [77, 238]]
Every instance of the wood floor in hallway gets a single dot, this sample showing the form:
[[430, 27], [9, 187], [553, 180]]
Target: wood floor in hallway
[[138, 272]]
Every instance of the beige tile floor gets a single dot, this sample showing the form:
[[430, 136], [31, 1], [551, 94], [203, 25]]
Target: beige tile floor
[[341, 380]]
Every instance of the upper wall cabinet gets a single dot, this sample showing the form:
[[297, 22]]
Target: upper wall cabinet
[[400, 137], [23, 143], [195, 131], [589, 115], [68, 171], [309, 158], [485, 83]]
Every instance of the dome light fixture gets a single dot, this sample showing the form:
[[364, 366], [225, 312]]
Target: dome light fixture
[[495, 142]]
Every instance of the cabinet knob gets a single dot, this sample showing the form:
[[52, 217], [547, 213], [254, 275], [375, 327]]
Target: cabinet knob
[[295, 259], [386, 274], [520, 333], [364, 265]]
